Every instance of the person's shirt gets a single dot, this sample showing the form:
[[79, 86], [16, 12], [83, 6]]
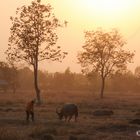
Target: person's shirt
[[30, 106]]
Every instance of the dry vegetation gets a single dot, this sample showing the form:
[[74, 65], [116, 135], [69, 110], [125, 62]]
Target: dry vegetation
[[89, 127]]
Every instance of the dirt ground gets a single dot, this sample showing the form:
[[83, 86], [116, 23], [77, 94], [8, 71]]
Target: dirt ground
[[125, 107]]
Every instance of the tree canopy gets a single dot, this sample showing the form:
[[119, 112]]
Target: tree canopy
[[103, 52], [34, 37]]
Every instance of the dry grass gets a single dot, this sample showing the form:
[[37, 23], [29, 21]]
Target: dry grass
[[9, 134], [89, 127]]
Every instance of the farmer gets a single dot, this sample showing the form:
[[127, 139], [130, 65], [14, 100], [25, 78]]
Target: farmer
[[30, 110]]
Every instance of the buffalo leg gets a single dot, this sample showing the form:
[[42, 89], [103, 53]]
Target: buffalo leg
[[65, 118], [75, 118], [32, 116], [27, 116], [69, 118]]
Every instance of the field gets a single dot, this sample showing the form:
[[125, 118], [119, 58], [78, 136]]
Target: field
[[125, 106]]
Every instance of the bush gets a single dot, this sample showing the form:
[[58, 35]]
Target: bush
[[103, 113]]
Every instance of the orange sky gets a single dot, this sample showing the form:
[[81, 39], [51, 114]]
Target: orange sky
[[82, 15]]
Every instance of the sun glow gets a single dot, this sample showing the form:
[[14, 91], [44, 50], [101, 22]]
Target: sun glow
[[104, 7]]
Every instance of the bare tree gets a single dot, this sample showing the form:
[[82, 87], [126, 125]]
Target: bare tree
[[33, 37], [104, 53]]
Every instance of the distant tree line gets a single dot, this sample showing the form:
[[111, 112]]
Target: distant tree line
[[21, 79]]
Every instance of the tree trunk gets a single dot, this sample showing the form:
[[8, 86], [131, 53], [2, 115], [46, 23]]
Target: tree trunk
[[37, 90], [102, 87]]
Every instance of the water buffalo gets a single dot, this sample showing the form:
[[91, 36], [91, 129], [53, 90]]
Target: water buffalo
[[67, 111]]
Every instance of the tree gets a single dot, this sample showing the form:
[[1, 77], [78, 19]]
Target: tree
[[5, 76], [14, 78], [14, 73], [137, 72], [33, 37], [103, 53], [25, 76], [9, 76], [68, 78]]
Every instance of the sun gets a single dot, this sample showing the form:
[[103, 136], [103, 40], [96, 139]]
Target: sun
[[105, 7], [111, 5]]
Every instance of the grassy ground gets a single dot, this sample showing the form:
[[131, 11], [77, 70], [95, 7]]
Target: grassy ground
[[89, 127]]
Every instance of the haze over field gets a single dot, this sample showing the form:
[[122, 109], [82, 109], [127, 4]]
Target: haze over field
[[42, 99], [82, 15]]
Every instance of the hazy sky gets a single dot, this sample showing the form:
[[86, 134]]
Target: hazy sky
[[81, 15]]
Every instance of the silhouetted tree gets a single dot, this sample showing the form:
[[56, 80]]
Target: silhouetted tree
[[68, 78], [4, 71], [33, 37], [137, 71], [9, 75], [104, 53], [125, 81], [25, 76], [5, 76], [14, 73], [94, 80]]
